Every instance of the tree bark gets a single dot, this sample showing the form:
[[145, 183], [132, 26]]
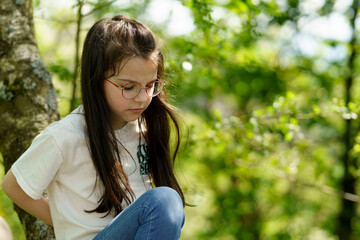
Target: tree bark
[[28, 101]]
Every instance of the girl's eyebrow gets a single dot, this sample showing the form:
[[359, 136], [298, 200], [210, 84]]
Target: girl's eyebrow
[[128, 80], [133, 81]]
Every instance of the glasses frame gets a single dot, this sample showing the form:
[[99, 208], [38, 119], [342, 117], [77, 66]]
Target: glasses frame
[[146, 88]]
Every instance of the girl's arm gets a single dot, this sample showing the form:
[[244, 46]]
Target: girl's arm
[[38, 208]]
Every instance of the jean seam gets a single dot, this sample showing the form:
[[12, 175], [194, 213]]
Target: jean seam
[[151, 216]]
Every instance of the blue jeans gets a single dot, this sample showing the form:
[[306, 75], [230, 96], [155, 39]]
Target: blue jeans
[[157, 214]]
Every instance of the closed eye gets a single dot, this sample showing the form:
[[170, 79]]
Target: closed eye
[[128, 87]]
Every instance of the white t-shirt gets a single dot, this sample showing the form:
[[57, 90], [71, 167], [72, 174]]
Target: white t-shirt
[[59, 161]]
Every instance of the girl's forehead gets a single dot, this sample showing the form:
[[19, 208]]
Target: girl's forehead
[[135, 68], [135, 61]]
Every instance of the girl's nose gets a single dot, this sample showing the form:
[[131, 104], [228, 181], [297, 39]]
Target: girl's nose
[[142, 96]]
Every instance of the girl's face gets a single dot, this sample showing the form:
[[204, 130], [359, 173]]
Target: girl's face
[[123, 110]]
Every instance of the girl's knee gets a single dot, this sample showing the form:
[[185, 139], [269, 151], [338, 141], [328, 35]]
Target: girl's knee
[[168, 203], [166, 197]]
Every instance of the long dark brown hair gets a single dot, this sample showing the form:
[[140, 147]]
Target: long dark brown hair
[[109, 43]]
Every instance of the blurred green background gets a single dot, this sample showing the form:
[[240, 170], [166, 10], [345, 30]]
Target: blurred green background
[[268, 94]]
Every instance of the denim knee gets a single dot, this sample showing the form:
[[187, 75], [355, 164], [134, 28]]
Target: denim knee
[[168, 204]]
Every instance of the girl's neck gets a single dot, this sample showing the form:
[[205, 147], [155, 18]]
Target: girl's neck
[[118, 124]]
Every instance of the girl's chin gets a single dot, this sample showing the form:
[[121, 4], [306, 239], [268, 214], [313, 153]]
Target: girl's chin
[[119, 122]]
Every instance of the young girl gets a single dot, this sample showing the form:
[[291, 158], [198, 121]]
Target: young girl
[[99, 163]]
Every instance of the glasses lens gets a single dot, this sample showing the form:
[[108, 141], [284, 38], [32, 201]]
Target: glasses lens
[[130, 90], [154, 88]]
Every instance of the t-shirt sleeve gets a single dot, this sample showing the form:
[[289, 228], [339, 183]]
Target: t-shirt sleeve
[[37, 167]]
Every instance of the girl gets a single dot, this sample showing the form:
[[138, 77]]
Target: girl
[[100, 162]]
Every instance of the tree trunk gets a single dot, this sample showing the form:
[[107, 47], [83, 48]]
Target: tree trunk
[[28, 101], [348, 208], [77, 56]]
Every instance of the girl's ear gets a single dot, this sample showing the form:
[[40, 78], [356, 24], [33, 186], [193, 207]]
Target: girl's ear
[[108, 73]]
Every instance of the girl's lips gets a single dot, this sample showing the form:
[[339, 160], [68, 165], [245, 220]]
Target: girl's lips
[[136, 110]]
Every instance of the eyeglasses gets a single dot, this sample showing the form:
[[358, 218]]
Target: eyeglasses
[[131, 90]]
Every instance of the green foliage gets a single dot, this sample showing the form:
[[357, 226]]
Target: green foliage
[[269, 176], [7, 212], [202, 13], [63, 72]]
